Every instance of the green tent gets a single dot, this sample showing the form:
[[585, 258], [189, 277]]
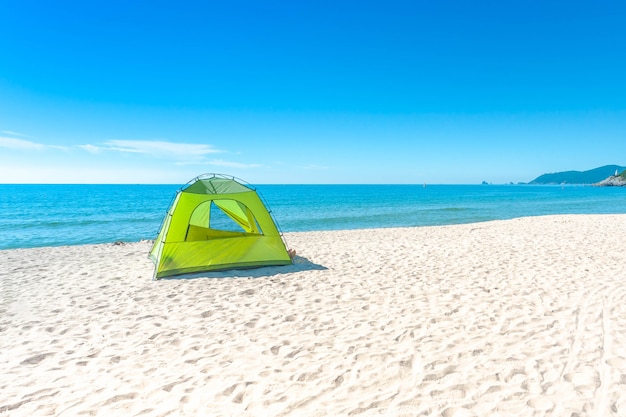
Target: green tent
[[214, 223]]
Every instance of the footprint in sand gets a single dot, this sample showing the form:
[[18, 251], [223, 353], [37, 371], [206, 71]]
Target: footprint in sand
[[457, 412], [541, 404]]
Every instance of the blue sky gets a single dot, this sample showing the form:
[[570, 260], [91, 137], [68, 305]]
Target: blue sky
[[310, 92]]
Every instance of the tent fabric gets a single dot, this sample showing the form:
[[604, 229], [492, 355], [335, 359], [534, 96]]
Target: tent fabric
[[215, 223]]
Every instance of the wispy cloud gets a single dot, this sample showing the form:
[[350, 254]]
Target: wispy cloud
[[161, 148], [156, 148], [20, 144], [10, 133], [91, 148]]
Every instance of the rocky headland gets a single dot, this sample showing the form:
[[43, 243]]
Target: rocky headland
[[613, 181]]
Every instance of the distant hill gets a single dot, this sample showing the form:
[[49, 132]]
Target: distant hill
[[579, 177]]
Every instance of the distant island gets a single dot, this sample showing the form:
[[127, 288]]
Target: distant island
[[596, 176]]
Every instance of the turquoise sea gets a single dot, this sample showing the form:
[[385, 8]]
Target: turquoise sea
[[53, 215]]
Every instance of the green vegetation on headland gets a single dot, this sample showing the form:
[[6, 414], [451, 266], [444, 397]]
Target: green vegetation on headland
[[613, 181], [592, 176]]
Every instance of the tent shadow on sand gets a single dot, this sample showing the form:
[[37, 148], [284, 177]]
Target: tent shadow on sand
[[300, 264]]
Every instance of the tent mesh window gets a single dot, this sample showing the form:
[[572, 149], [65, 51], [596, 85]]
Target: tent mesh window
[[221, 219]]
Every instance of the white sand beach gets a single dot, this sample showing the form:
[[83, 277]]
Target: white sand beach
[[523, 317]]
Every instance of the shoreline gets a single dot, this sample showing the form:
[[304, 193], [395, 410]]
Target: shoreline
[[286, 234], [517, 317], [73, 220]]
